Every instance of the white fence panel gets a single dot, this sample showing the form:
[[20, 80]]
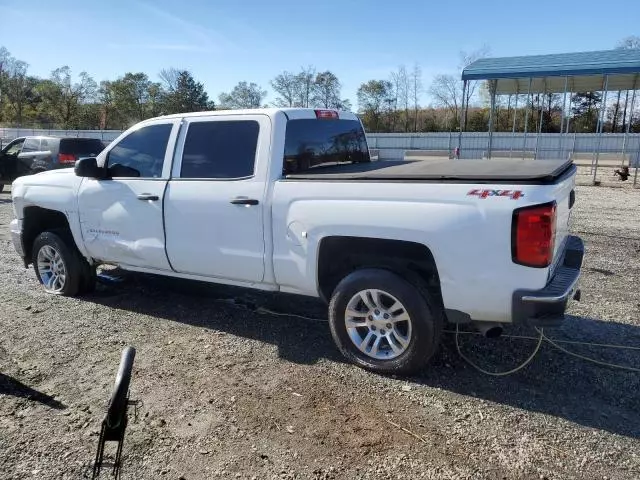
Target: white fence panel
[[473, 145]]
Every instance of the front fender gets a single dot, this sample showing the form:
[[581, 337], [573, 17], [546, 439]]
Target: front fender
[[52, 190]]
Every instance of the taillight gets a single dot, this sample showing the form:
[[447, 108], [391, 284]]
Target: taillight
[[326, 114], [533, 235], [66, 158]]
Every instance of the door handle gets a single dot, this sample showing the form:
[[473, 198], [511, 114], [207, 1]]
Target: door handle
[[244, 201], [148, 196]]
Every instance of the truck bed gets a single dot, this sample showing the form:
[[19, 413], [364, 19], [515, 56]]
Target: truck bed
[[504, 170]]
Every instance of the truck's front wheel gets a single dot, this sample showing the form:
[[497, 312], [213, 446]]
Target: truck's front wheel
[[383, 323], [58, 264]]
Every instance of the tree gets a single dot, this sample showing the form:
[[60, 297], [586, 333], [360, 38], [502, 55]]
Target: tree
[[305, 80], [345, 104], [466, 59], [5, 60], [107, 102], [628, 43], [243, 95], [372, 98], [309, 89], [133, 98], [17, 87], [446, 93], [186, 95], [169, 78], [585, 111], [155, 97], [416, 91], [66, 97], [137, 89], [402, 91], [326, 91], [287, 86]]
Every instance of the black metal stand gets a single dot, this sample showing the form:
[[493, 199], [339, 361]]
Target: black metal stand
[[108, 434], [116, 420]]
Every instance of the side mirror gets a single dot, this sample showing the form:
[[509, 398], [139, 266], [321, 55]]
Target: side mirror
[[88, 167]]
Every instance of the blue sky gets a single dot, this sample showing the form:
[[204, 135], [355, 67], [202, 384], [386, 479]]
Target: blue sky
[[225, 41]]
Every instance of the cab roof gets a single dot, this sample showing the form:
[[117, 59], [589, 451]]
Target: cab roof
[[291, 113]]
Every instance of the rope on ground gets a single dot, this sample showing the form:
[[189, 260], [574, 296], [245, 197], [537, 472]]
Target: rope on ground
[[499, 374], [588, 359], [572, 342], [539, 339]]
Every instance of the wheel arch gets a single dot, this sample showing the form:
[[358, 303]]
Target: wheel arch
[[338, 256], [37, 220]]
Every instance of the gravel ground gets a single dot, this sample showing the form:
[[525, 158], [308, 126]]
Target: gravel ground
[[231, 393]]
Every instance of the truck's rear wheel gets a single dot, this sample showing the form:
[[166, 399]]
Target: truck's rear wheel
[[383, 323], [58, 264]]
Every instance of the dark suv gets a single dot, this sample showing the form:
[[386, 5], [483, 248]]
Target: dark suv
[[28, 155]]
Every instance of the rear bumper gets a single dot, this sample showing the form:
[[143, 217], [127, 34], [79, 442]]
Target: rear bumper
[[546, 307]]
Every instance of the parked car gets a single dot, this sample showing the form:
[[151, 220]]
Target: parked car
[[29, 155], [286, 200]]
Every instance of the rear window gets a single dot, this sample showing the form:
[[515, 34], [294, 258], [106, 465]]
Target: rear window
[[87, 147], [312, 143]]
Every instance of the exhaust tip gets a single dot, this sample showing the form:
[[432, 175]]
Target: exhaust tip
[[493, 332], [489, 330]]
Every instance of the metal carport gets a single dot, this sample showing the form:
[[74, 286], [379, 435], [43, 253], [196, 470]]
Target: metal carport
[[609, 70]]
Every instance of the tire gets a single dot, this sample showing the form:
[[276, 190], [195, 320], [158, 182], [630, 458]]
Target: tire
[[408, 345], [57, 251]]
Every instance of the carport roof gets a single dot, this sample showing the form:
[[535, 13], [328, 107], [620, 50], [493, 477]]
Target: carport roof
[[584, 70]]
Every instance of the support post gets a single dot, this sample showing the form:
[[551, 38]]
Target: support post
[[628, 126], [601, 123], [541, 114], [526, 119], [462, 115], [635, 176], [564, 112], [515, 115], [492, 92]]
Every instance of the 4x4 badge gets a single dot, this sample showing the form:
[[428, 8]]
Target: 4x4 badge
[[512, 194]]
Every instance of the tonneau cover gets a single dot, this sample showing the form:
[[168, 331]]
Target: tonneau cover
[[503, 170]]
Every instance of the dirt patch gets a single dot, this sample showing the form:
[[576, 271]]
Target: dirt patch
[[231, 393]]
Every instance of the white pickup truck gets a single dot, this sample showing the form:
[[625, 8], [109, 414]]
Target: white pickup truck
[[287, 200]]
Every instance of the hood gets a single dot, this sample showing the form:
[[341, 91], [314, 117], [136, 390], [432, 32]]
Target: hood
[[56, 177], [54, 189], [49, 184]]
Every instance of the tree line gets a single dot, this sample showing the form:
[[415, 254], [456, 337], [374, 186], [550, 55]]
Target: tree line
[[392, 104], [61, 102]]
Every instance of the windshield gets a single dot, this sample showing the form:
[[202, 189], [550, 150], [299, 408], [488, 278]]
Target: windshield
[[311, 143]]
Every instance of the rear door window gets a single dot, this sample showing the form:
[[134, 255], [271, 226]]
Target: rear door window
[[313, 143], [31, 145], [220, 149]]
